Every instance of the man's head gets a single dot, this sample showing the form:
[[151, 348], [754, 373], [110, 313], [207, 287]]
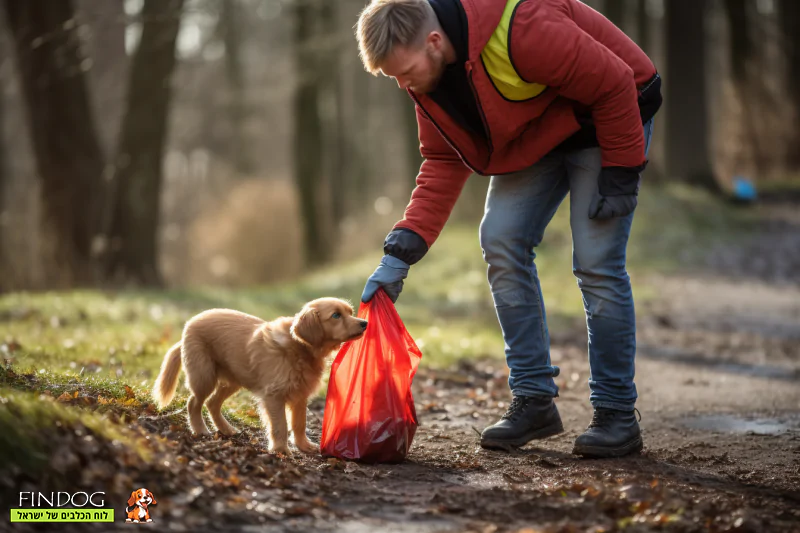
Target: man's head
[[403, 40]]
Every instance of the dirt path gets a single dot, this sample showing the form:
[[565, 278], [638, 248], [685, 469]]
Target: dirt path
[[719, 387]]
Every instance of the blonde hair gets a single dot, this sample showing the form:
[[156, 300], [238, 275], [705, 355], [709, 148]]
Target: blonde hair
[[384, 24]]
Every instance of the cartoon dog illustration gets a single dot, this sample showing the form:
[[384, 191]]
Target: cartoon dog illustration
[[138, 503]]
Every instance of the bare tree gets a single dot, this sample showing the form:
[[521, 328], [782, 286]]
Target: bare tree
[[642, 26], [106, 23], [332, 98], [133, 245], [3, 266], [743, 51], [687, 141], [789, 11], [614, 10], [308, 141], [232, 33], [69, 161], [359, 166]]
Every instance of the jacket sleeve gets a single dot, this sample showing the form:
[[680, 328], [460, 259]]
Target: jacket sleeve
[[546, 46], [439, 184]]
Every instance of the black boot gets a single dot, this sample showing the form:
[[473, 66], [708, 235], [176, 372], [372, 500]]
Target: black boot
[[611, 433], [527, 418]]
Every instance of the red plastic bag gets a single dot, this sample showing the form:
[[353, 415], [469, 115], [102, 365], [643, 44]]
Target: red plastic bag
[[369, 410]]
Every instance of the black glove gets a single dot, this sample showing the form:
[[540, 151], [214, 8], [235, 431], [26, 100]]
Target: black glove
[[617, 188]]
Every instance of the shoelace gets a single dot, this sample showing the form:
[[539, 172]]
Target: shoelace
[[518, 404], [602, 415]]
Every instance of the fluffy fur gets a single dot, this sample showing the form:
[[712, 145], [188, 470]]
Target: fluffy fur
[[280, 362]]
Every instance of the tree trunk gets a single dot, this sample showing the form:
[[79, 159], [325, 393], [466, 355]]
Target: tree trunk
[[687, 143], [362, 165], [790, 33], [68, 157], [642, 26], [107, 23], [308, 143], [742, 52], [332, 98], [614, 11], [741, 45], [232, 36], [3, 266], [133, 254]]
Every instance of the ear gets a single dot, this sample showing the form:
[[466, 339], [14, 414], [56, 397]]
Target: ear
[[153, 497], [307, 327], [132, 499], [434, 39]]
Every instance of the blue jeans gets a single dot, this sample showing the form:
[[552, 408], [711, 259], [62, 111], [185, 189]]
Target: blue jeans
[[518, 208]]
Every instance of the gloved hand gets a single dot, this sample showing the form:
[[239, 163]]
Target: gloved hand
[[617, 188], [390, 275]]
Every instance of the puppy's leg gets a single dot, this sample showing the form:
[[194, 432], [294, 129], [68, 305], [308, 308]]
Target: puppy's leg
[[201, 379], [273, 411], [224, 391], [298, 409]]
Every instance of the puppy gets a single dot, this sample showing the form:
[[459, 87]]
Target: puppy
[[280, 362], [137, 509]]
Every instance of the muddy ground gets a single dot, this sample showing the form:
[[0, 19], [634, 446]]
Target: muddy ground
[[718, 375]]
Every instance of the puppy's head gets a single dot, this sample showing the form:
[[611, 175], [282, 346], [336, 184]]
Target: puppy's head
[[327, 322], [142, 497]]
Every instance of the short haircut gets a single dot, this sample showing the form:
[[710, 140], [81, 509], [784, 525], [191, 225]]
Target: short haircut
[[384, 24]]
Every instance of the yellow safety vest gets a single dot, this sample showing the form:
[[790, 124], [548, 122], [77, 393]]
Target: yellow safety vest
[[497, 60]]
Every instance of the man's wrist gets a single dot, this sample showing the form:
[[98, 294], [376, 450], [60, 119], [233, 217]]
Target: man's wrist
[[619, 181], [406, 245], [394, 262]]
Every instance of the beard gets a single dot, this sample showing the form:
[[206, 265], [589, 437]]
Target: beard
[[438, 66]]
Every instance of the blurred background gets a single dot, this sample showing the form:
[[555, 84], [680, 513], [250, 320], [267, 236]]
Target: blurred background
[[235, 142]]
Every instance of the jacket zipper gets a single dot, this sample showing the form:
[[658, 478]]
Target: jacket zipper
[[443, 134], [480, 110]]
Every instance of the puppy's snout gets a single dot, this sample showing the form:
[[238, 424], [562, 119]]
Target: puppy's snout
[[363, 324]]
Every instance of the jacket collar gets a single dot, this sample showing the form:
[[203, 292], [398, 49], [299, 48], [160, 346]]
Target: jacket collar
[[483, 16]]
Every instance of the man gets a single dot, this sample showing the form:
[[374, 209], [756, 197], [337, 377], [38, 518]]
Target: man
[[546, 97]]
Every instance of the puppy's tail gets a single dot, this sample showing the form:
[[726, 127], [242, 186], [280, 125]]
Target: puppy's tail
[[167, 381]]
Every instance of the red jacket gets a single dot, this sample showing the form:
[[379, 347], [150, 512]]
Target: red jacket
[[585, 61]]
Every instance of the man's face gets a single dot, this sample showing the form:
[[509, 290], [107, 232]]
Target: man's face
[[418, 68]]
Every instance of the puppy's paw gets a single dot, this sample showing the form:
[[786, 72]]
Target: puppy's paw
[[228, 430], [306, 446], [282, 449]]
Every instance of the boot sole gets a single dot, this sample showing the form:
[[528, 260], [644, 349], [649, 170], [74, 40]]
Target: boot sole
[[509, 445], [598, 452]]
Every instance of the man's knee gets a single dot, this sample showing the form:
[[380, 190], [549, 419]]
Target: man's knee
[[597, 267], [600, 255], [503, 244]]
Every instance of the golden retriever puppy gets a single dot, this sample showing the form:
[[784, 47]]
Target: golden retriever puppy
[[280, 362]]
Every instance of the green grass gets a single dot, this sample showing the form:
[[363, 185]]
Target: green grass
[[109, 340], [32, 426]]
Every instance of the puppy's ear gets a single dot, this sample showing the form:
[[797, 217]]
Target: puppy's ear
[[153, 497], [307, 327], [132, 499]]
